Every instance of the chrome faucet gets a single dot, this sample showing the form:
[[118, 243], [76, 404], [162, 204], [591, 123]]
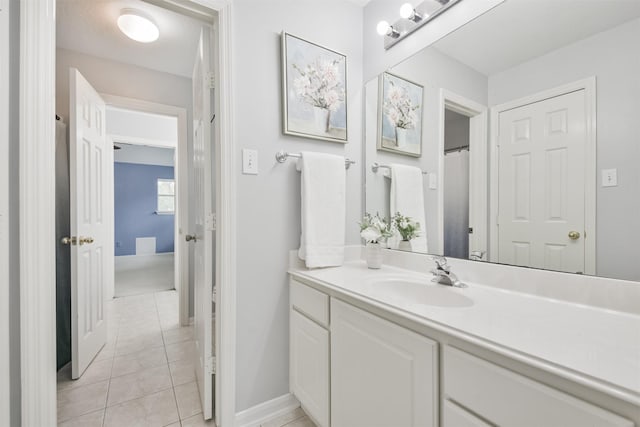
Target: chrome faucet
[[443, 275]]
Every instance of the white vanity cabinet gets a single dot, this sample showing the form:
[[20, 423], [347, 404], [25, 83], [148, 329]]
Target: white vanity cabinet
[[475, 386], [309, 350], [381, 374]]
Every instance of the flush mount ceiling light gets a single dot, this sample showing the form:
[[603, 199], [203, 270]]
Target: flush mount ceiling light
[[137, 26]]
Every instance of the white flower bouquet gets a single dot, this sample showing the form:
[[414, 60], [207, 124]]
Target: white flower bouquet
[[319, 84], [406, 226], [374, 229], [398, 107]]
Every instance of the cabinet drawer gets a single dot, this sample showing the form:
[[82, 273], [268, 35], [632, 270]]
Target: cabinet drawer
[[454, 416], [508, 399], [312, 303]]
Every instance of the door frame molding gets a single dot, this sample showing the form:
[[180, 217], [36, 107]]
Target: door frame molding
[[37, 225], [181, 165], [478, 118], [589, 86]]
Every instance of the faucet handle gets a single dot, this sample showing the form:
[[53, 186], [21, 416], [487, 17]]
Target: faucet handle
[[441, 262]]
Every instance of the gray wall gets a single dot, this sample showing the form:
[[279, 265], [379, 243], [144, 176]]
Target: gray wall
[[434, 71], [613, 57], [14, 259], [269, 204], [115, 78]]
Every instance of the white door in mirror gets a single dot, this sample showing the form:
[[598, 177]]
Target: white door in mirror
[[542, 190]]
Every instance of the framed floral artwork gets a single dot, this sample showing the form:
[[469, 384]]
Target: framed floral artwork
[[314, 82], [400, 115]]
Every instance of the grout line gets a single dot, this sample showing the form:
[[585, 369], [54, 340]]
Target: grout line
[[173, 387]]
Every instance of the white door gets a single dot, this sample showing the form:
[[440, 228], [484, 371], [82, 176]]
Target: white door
[[90, 156], [203, 233], [542, 151]]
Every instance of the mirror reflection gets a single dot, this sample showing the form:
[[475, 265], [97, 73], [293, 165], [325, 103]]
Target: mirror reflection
[[528, 139]]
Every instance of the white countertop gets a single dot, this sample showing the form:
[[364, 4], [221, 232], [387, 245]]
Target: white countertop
[[597, 347]]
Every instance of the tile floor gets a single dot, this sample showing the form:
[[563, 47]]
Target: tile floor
[[144, 376]]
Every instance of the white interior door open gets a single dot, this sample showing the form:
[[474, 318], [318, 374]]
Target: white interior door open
[[541, 194], [203, 236], [90, 157]]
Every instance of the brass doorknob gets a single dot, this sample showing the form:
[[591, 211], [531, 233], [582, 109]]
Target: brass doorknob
[[85, 240], [574, 235], [190, 238]]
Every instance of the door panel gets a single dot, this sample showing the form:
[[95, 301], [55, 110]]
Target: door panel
[[542, 190], [89, 152], [204, 248]]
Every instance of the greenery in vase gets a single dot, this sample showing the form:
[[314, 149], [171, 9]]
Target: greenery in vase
[[406, 226], [374, 229]]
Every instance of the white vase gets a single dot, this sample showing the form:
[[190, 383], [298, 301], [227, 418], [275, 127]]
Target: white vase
[[404, 245], [321, 119], [373, 255], [401, 137]]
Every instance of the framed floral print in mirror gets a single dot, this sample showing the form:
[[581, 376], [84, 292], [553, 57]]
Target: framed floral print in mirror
[[400, 115], [314, 82]]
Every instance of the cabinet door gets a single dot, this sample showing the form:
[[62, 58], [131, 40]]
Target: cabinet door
[[381, 374], [309, 365]]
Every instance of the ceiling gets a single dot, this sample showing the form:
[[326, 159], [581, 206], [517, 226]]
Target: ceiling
[[519, 30], [144, 155], [89, 27]]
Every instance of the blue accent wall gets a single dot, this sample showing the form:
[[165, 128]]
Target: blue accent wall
[[135, 194]]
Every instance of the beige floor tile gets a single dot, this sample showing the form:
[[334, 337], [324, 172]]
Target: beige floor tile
[[158, 409], [285, 419], [139, 384], [176, 424], [77, 401], [180, 351], [172, 336], [137, 344], [301, 422], [135, 362], [93, 419], [197, 421], [96, 372], [188, 399], [182, 372]]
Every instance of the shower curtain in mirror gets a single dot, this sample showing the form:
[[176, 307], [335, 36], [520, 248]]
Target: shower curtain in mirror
[[456, 204]]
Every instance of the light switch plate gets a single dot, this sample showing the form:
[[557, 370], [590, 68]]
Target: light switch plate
[[609, 177], [433, 181], [249, 162]]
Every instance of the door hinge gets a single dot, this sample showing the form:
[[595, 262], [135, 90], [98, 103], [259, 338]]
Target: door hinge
[[210, 222], [210, 366], [211, 80]]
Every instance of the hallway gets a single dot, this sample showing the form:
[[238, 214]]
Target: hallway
[[143, 376]]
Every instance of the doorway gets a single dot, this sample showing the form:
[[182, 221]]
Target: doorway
[[462, 196], [37, 355]]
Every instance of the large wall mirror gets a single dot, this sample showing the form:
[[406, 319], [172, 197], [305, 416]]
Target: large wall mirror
[[529, 139]]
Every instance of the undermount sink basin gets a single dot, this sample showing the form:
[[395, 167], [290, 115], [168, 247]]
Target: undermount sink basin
[[418, 292]]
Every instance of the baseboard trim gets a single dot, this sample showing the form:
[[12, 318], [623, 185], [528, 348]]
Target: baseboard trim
[[266, 411]]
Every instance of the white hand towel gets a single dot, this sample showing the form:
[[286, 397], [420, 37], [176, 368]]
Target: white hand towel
[[323, 209], [407, 197]]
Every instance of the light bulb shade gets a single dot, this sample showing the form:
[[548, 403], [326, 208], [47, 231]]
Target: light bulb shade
[[383, 28], [138, 27], [406, 11]]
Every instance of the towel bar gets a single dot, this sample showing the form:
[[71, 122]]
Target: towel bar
[[375, 166], [281, 157]]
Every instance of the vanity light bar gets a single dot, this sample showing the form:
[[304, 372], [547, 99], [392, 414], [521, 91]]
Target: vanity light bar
[[418, 17], [281, 157], [376, 166]]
